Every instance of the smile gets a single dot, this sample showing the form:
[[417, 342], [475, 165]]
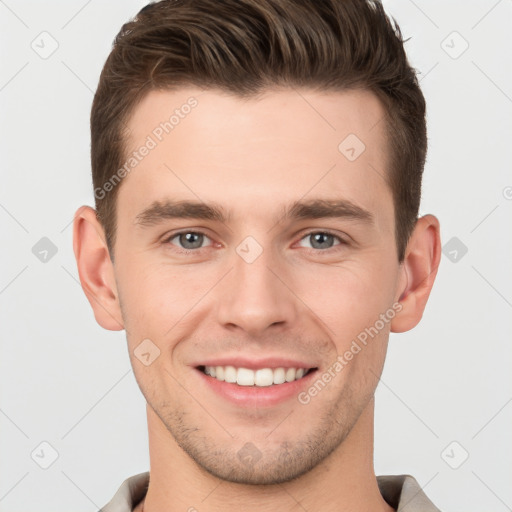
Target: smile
[[261, 377]]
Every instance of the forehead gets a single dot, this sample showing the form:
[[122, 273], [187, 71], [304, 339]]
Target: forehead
[[295, 115], [281, 145]]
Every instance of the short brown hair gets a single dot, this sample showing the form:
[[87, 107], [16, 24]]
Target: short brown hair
[[247, 46]]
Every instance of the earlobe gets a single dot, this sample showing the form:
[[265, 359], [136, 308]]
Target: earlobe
[[95, 269], [419, 271]]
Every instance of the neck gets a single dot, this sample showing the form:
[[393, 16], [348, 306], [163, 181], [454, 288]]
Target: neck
[[344, 481]]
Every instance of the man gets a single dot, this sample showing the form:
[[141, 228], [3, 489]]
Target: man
[[257, 170]]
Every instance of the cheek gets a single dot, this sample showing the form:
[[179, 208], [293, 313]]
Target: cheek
[[158, 299], [158, 305], [347, 298]]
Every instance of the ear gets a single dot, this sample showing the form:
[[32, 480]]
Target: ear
[[419, 270], [95, 269]]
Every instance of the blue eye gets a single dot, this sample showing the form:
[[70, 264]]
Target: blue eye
[[322, 240], [189, 240]]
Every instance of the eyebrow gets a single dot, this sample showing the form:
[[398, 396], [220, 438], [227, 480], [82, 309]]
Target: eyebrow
[[159, 212]]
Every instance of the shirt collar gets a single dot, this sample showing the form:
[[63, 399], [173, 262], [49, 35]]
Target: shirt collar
[[402, 492]]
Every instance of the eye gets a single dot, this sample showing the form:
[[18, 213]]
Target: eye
[[188, 240], [321, 240]]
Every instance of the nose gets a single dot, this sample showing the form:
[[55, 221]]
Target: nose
[[256, 297]]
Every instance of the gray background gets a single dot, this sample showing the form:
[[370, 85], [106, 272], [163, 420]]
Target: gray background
[[446, 389]]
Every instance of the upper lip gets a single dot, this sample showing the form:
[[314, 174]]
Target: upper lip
[[255, 364]]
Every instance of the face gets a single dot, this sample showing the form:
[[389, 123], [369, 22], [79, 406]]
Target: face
[[253, 238]]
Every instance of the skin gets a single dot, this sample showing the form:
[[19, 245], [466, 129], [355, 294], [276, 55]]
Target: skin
[[253, 157]]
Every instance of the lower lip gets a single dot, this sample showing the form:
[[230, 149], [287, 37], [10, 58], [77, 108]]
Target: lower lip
[[257, 396]]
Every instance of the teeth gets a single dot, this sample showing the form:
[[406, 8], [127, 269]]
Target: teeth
[[245, 377], [262, 377], [229, 373], [279, 376]]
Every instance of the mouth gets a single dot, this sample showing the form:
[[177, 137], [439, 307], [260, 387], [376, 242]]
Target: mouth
[[259, 377]]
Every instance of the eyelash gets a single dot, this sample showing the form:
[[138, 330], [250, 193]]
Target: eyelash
[[181, 250]]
